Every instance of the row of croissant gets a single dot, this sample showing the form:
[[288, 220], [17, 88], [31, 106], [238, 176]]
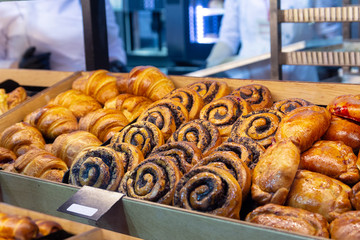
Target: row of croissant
[[234, 153]]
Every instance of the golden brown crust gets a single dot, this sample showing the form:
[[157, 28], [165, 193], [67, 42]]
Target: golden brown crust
[[6, 157], [47, 227], [346, 226], [210, 90], [355, 196], [290, 219], [3, 101], [130, 156], [258, 96], [17, 96], [17, 227], [346, 106], [287, 105]]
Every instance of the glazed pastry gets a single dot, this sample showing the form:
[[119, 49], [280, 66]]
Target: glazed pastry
[[17, 227], [203, 133], [274, 173], [16, 96], [77, 102], [346, 226], [345, 130], [99, 84], [346, 106], [191, 100], [98, 167], [3, 101], [230, 162], [260, 126], [47, 227], [287, 105], [146, 81], [355, 196], [153, 180], [210, 90], [184, 154], [68, 145], [333, 159], [246, 148], [103, 123], [6, 157], [258, 96], [52, 120], [224, 112], [310, 190], [130, 155], [210, 190], [20, 137], [304, 125], [130, 105], [41, 164], [290, 219], [143, 135], [166, 114]]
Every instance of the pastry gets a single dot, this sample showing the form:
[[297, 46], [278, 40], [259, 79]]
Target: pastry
[[99, 84], [68, 145], [184, 154], [203, 133], [143, 135], [77, 102], [98, 167], [52, 120], [47, 227], [130, 156], [6, 157], [210, 90], [130, 105], [290, 219], [41, 164], [3, 101], [355, 196], [224, 111], [346, 226], [103, 123], [260, 126], [310, 190], [191, 100], [146, 81], [16, 96], [210, 190], [346, 106], [287, 105], [20, 137], [304, 125], [153, 180], [17, 227], [166, 114], [274, 173], [333, 159], [258, 96]]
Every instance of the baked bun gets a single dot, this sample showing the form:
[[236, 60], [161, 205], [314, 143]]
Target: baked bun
[[16, 96], [287, 105], [17, 227], [47, 227], [346, 106], [346, 226], [258, 96], [210, 90]]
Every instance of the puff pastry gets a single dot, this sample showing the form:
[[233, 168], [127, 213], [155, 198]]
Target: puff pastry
[[346, 226]]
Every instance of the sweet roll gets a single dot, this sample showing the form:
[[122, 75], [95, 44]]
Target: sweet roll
[[47, 227], [17, 227], [287, 105], [346, 226], [258, 96], [346, 106], [210, 90]]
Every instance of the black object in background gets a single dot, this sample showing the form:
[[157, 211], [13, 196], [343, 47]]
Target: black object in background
[[30, 60]]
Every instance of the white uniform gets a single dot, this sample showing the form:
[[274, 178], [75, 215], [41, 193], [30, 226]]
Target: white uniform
[[54, 26], [247, 22]]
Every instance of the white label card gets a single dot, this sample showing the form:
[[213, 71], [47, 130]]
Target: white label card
[[83, 210]]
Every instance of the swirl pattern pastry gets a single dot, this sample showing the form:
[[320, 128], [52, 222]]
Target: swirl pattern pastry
[[346, 226], [258, 96], [346, 106], [260, 126], [188, 97], [130, 155], [203, 133], [154, 180], [143, 135], [166, 114], [210, 90], [210, 190], [287, 105], [230, 162], [184, 154], [224, 112], [98, 167]]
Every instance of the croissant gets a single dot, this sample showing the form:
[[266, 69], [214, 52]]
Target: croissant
[[47, 227], [77, 102], [146, 81], [52, 120], [99, 84], [103, 123], [6, 157], [41, 164], [3, 101], [20, 137], [17, 227], [17, 96]]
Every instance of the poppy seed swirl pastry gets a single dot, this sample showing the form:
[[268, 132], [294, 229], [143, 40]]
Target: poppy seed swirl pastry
[[98, 167], [143, 135], [258, 96], [210, 90], [210, 190], [261, 126], [224, 112], [184, 154], [153, 179], [203, 133], [287, 105]]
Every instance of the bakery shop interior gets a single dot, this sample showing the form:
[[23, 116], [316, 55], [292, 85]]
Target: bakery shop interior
[[179, 119]]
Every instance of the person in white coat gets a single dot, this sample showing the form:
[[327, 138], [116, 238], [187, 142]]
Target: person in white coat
[[248, 23], [47, 34]]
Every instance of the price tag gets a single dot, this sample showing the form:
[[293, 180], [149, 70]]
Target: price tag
[[91, 203]]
